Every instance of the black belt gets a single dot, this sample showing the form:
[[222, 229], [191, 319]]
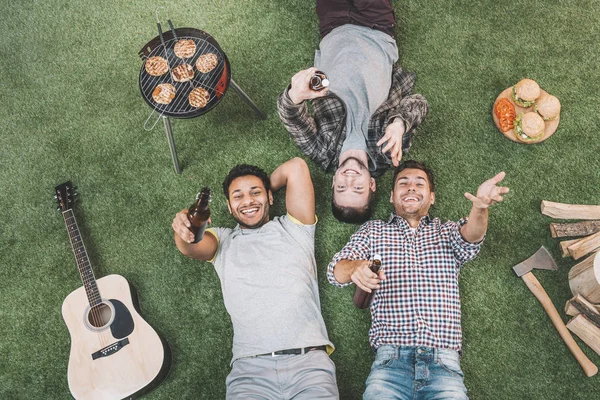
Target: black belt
[[294, 351]]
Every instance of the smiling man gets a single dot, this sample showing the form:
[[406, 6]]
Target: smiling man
[[364, 121], [415, 312], [268, 277]]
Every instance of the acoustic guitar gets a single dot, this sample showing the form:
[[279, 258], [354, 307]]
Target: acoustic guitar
[[115, 354]]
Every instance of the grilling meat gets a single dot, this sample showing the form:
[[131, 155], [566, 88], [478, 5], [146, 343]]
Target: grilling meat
[[156, 66], [207, 62], [183, 73], [199, 97], [163, 93], [184, 48]]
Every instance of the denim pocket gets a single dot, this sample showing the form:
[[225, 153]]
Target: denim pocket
[[450, 362]]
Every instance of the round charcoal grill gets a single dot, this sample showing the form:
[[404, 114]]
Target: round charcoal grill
[[215, 82]]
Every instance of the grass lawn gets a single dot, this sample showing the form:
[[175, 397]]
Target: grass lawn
[[72, 111]]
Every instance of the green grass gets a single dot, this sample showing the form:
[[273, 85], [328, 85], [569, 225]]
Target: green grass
[[72, 111]]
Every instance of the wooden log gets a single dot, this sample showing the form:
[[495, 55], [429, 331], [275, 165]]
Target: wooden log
[[586, 330], [581, 228], [584, 278], [585, 246], [570, 211], [579, 305], [564, 246]]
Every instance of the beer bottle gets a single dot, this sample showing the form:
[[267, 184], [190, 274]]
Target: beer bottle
[[361, 298], [319, 81], [199, 213]]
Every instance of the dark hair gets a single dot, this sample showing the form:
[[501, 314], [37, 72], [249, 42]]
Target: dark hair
[[353, 215], [414, 165], [245, 170]]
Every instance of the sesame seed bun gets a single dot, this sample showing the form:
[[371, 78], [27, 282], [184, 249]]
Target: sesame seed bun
[[548, 107]]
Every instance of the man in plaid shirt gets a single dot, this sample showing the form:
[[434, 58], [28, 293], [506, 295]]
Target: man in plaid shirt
[[415, 311], [364, 121]]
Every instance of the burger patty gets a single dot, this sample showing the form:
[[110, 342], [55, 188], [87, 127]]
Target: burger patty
[[156, 66], [183, 73], [184, 48], [207, 62], [199, 97], [164, 93]]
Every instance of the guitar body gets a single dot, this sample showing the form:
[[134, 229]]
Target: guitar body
[[115, 354]]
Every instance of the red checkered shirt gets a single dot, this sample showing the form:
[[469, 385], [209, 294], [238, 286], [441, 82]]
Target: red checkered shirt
[[418, 304]]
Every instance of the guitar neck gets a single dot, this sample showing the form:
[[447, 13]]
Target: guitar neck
[[82, 259]]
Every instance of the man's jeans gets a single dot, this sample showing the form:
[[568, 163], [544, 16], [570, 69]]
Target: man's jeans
[[415, 373]]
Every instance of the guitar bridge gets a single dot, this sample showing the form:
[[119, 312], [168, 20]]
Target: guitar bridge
[[110, 349]]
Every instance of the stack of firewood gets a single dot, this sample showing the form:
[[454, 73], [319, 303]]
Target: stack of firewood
[[584, 277]]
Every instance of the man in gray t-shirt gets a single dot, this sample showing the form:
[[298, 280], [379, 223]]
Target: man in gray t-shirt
[[268, 277], [364, 121]]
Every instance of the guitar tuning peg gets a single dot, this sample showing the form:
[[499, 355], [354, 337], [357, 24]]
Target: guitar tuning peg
[[58, 208], [55, 197]]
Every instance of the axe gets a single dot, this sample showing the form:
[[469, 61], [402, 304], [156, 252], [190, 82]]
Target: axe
[[543, 260]]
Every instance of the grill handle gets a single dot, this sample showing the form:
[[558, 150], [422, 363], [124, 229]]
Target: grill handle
[[172, 29], [155, 122]]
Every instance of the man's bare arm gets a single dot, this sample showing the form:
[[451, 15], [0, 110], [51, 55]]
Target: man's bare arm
[[300, 193]]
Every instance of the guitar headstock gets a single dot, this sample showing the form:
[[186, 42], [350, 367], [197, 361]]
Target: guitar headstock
[[65, 196]]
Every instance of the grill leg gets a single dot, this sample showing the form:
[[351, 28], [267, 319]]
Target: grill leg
[[171, 144], [246, 99]]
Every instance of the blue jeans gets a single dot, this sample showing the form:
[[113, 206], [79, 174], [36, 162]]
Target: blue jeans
[[415, 373]]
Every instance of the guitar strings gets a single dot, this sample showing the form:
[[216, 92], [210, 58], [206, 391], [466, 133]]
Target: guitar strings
[[83, 262]]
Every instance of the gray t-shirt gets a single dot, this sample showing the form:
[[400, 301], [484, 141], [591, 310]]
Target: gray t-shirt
[[358, 62], [269, 282]]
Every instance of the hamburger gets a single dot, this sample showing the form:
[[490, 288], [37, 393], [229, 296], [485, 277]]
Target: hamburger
[[525, 93], [184, 48], [157, 66], [548, 107], [199, 97], [183, 73], [164, 93], [207, 62], [529, 127]]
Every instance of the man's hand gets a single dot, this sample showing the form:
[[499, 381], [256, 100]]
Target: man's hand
[[364, 278], [181, 226], [300, 89], [393, 137], [488, 193]]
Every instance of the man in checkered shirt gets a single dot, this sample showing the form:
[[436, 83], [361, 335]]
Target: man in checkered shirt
[[364, 121], [415, 311]]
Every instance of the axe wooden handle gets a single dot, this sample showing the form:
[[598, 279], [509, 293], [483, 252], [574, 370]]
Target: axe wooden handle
[[532, 283]]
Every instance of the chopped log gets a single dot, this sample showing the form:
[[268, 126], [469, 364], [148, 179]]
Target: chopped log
[[586, 330], [570, 211], [579, 305], [584, 278], [581, 228], [564, 246], [585, 246]]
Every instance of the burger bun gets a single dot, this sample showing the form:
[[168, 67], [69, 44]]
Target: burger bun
[[548, 107]]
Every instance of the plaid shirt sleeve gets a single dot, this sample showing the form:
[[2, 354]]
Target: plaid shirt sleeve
[[463, 251], [357, 248], [319, 136]]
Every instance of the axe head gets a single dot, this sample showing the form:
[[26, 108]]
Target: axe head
[[540, 260]]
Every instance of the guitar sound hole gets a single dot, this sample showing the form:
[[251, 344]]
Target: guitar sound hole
[[100, 315]]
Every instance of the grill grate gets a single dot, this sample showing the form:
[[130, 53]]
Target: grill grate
[[215, 81]]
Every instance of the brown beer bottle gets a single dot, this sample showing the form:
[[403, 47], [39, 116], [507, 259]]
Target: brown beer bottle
[[199, 213], [319, 81], [361, 298]]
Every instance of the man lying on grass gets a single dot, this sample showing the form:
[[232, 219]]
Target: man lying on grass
[[268, 277], [363, 123], [415, 312]]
